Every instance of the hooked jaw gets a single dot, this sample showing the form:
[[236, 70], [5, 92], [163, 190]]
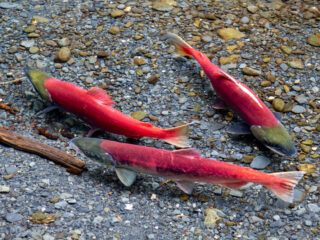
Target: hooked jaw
[[38, 79], [275, 138], [91, 148]]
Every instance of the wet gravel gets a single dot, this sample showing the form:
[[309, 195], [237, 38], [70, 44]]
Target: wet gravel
[[119, 46]]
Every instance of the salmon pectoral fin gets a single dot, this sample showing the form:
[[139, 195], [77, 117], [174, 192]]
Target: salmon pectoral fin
[[181, 46], [100, 95], [234, 185], [127, 177], [185, 186], [284, 189], [177, 136], [239, 129]]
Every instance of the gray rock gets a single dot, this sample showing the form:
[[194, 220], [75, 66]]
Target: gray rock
[[4, 189], [284, 66], [298, 109], [236, 193], [313, 208], [97, 220], [27, 43], [60, 205], [11, 170], [13, 217], [260, 162], [48, 237], [301, 99], [9, 5]]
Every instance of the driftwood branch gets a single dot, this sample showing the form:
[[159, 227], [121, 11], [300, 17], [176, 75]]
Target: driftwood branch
[[26, 144]]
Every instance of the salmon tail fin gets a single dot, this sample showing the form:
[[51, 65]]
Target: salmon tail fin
[[285, 187], [178, 136], [182, 47]]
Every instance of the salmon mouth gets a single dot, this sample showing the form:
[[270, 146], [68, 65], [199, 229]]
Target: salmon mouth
[[276, 138], [38, 78]]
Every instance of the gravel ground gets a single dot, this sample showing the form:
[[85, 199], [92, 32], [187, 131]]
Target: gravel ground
[[118, 45]]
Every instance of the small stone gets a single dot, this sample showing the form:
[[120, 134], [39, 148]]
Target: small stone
[[117, 13], [276, 217], [30, 29], [13, 49], [138, 115], [278, 104], [114, 30], [301, 99], [64, 42], [60, 205], [97, 219], [4, 189], [286, 49], [206, 38], [313, 208], [11, 170], [260, 162], [314, 40], [298, 109], [42, 218], [212, 216], [9, 5], [40, 19], [252, 8], [162, 6], [284, 66], [247, 158], [265, 83], [230, 59], [305, 148], [230, 34], [34, 50], [308, 168], [48, 237], [13, 217], [33, 35], [296, 64], [308, 142], [27, 43], [139, 61], [137, 90], [236, 193], [63, 55], [154, 79], [251, 72]]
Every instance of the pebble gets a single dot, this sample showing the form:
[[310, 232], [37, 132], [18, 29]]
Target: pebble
[[114, 30], [139, 61], [301, 99], [63, 55], [228, 34], [48, 237], [296, 64], [284, 66], [276, 217], [60, 205], [34, 50], [298, 109], [27, 43], [11, 170], [162, 6], [64, 42], [117, 13], [313, 208], [9, 5], [245, 20], [138, 115], [4, 189], [97, 219], [40, 19], [236, 193], [314, 40], [13, 217], [252, 8], [260, 162], [251, 72], [212, 216], [278, 104], [230, 59], [255, 219]]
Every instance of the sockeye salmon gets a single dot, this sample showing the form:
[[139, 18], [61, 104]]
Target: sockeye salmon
[[94, 107], [184, 166], [234, 95]]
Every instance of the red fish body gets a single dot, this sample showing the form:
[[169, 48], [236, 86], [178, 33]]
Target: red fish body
[[238, 97], [94, 107], [184, 166]]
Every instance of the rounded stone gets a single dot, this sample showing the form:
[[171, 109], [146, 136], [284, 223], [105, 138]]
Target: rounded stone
[[63, 55]]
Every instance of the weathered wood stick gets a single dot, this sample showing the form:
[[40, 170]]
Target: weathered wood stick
[[26, 144]]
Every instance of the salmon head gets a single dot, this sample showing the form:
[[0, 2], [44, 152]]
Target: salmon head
[[91, 147], [275, 138], [38, 78]]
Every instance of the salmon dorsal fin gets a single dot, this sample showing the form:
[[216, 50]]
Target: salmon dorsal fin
[[100, 95], [189, 152]]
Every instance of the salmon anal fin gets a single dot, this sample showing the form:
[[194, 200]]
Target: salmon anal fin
[[100, 95], [219, 104], [185, 186], [234, 185], [187, 152], [178, 136]]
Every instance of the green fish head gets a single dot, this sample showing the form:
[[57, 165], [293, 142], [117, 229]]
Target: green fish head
[[91, 147], [275, 138], [38, 78]]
